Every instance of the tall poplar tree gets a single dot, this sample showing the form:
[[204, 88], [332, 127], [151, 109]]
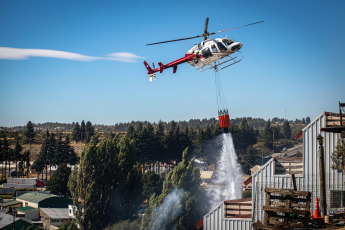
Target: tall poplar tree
[[17, 153], [82, 131], [89, 131], [106, 186], [29, 133], [76, 132]]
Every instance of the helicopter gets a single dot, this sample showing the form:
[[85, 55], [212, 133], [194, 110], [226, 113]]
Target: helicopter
[[209, 53]]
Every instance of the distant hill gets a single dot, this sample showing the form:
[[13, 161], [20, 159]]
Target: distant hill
[[256, 123]]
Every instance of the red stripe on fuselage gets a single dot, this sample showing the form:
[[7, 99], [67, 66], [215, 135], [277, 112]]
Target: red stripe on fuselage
[[186, 58]]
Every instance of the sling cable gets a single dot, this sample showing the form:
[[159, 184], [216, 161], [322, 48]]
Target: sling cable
[[223, 114]]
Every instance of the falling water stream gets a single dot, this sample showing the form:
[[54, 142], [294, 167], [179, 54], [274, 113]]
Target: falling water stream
[[228, 176]]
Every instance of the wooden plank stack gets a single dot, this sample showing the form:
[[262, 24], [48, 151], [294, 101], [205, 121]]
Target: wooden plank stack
[[285, 209]]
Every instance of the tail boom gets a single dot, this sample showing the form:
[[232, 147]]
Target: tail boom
[[174, 64]]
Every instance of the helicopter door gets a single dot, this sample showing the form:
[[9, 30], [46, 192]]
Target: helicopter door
[[206, 53]]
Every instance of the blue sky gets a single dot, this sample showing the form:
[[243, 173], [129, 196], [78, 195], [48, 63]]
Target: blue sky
[[292, 67]]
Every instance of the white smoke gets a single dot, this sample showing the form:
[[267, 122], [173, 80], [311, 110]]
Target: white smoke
[[227, 182], [168, 211]]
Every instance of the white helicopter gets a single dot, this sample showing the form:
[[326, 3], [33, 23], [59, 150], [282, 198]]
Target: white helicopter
[[208, 54]]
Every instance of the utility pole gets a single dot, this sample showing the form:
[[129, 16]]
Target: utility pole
[[322, 177]]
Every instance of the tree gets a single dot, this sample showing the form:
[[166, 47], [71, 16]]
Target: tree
[[42, 158], [152, 183], [17, 153], [90, 132], [268, 134], [29, 133], [26, 156], [76, 132], [72, 157], [82, 131], [249, 159], [338, 156], [185, 179], [58, 182], [307, 120], [5, 155], [287, 130], [38, 166], [106, 184]]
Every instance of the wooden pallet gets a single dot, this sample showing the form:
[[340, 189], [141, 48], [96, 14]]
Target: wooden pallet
[[285, 209]]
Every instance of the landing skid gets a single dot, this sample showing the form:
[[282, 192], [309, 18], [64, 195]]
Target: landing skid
[[219, 63]]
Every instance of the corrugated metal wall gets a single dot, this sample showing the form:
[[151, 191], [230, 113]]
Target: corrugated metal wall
[[265, 177], [215, 220], [334, 180]]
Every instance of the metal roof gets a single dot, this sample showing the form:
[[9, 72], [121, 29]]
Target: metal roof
[[56, 213], [6, 219], [206, 174], [25, 208], [34, 197], [10, 203]]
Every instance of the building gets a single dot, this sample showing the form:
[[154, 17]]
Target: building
[[7, 221], [206, 176], [10, 206], [41, 200], [32, 202], [52, 218], [276, 173]]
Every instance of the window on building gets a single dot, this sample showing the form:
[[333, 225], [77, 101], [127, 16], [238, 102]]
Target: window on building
[[26, 204], [337, 199]]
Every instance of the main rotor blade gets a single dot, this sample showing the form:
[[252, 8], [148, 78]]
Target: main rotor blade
[[236, 27], [181, 39], [205, 30]]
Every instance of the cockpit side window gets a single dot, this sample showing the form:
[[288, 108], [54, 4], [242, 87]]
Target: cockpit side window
[[221, 47], [214, 48]]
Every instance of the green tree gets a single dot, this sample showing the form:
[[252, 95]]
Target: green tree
[[249, 159], [106, 184], [45, 153], [27, 155], [29, 133], [5, 156], [286, 129], [38, 166], [268, 134], [58, 182], [186, 179], [72, 157], [89, 131], [17, 153], [82, 131], [76, 132], [307, 120], [152, 183], [338, 156]]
